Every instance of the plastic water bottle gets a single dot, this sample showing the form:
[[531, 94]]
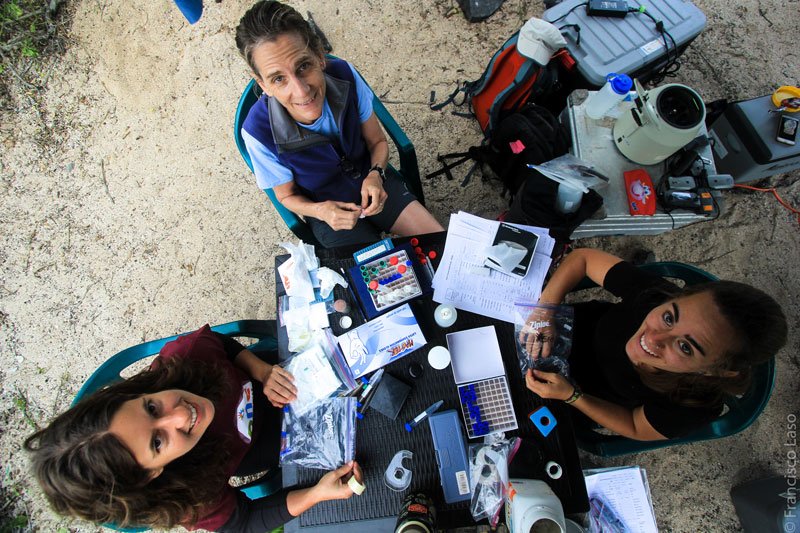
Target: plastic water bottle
[[613, 92], [568, 199]]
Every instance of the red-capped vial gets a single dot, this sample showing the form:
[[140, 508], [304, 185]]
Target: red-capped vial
[[373, 284], [414, 241], [393, 260], [418, 250], [432, 254], [401, 269]]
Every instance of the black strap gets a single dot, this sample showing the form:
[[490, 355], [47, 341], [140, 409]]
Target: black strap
[[466, 88], [461, 157]]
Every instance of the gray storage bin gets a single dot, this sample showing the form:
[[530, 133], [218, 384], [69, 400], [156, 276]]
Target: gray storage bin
[[630, 45], [745, 145]]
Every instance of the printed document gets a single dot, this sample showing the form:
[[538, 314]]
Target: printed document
[[464, 282]]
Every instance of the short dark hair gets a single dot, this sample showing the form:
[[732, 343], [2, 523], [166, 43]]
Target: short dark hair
[[266, 21], [85, 471]]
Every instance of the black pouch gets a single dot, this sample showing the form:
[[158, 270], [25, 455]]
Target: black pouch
[[534, 205]]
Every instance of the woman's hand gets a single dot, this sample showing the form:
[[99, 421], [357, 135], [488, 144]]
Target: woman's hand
[[338, 215], [333, 485], [549, 385], [373, 196], [538, 334], [279, 386]]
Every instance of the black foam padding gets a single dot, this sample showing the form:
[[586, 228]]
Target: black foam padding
[[390, 396], [379, 438]]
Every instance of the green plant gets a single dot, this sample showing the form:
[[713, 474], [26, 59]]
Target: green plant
[[21, 403], [14, 516], [28, 34]]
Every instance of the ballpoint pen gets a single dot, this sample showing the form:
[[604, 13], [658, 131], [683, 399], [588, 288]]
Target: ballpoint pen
[[423, 415], [376, 377], [369, 393], [353, 295]]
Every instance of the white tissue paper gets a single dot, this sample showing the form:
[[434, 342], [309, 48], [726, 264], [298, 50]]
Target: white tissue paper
[[328, 279], [294, 271]]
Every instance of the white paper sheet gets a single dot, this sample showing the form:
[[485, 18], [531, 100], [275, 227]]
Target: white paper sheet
[[491, 293], [626, 491]]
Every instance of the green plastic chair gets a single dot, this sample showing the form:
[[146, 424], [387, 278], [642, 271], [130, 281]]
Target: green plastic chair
[[740, 413], [408, 171], [264, 331]]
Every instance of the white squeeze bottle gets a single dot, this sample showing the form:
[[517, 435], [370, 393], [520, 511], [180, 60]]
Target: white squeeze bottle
[[613, 92]]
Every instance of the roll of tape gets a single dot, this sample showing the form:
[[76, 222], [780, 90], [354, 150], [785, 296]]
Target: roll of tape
[[355, 486], [553, 470]]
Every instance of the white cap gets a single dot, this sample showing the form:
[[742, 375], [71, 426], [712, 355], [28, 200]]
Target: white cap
[[539, 40]]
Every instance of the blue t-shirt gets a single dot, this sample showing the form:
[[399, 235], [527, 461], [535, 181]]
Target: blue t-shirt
[[269, 172]]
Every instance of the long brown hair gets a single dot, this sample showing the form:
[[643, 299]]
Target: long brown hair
[[85, 471], [759, 331]]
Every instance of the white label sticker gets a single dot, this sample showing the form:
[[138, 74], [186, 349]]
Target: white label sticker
[[461, 479], [651, 47]]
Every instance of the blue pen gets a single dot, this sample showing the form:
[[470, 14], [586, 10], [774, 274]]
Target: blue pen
[[376, 377], [423, 415]]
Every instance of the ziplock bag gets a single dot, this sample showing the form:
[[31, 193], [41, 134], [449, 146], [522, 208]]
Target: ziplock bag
[[543, 335], [488, 464], [575, 172], [324, 437], [319, 372]]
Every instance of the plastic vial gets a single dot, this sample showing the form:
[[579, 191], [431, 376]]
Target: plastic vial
[[568, 199], [612, 93]]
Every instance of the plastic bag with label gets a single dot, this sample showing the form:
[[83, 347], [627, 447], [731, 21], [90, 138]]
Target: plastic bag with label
[[324, 437], [489, 475], [543, 335], [320, 371]]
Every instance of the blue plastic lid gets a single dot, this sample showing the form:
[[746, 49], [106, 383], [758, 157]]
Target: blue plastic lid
[[408, 427], [621, 83]]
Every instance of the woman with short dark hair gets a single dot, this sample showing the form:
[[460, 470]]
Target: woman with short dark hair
[[313, 138]]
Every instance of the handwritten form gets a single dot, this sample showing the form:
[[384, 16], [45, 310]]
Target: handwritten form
[[626, 491], [463, 282]]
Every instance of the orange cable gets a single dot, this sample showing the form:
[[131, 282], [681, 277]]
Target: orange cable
[[774, 193]]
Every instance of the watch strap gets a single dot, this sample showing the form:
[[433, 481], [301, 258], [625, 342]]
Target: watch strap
[[576, 394], [380, 171]]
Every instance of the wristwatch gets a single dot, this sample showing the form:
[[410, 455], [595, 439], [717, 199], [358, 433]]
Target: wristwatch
[[380, 171], [576, 394]]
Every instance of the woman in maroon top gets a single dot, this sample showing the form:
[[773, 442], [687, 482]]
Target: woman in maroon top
[[159, 448]]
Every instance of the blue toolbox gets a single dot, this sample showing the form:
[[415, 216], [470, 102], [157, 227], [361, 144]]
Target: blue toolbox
[[451, 455]]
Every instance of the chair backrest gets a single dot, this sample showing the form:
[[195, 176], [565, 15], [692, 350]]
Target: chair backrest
[[110, 371], [740, 411], [408, 171]]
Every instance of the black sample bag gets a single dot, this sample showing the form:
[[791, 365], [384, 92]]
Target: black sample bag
[[531, 136], [534, 205]]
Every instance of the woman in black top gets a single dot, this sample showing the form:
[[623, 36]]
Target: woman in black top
[[660, 362]]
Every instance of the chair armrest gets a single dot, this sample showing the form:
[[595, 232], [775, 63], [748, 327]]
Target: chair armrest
[[409, 167]]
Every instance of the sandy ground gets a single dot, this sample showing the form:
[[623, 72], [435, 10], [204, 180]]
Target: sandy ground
[[127, 213]]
